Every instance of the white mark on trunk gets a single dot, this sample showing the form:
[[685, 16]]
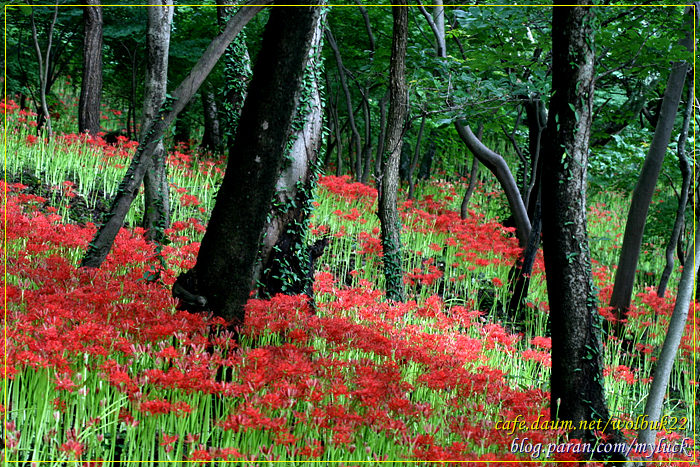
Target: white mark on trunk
[[264, 125]]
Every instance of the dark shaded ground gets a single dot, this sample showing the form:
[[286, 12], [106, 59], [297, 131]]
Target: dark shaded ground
[[80, 210]]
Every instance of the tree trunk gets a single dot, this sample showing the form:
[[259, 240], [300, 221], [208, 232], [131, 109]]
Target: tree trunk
[[226, 261], [577, 388], [388, 212], [536, 123], [493, 161], [367, 148], [102, 243], [284, 265], [211, 140], [351, 117], [499, 167], [644, 190], [463, 211], [379, 161], [414, 162], [676, 328], [91, 87], [156, 209], [682, 199], [439, 18], [43, 117]]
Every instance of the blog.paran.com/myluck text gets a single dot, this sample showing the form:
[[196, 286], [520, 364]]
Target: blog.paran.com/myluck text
[[635, 449]]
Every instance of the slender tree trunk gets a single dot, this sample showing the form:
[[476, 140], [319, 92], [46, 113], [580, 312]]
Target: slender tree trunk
[[211, 141], [348, 99], [491, 160], [102, 243], [91, 87], [644, 190], [414, 162], [156, 212], [536, 122], [379, 161], [464, 211], [339, 141], [44, 119], [367, 149], [388, 212], [676, 328], [439, 18], [499, 167], [226, 261], [578, 393], [682, 199]]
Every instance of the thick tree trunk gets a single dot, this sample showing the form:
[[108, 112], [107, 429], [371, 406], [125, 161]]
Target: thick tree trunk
[[156, 212], [577, 388], [644, 190], [682, 199], [388, 212], [464, 211], [102, 243], [91, 87], [284, 265], [226, 261], [211, 140]]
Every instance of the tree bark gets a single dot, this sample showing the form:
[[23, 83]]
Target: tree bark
[[225, 265], [676, 328], [381, 139], [285, 266], [414, 162], [388, 212], [464, 211], [348, 99], [367, 148], [43, 119], [91, 86], [644, 190], [682, 199], [499, 167], [156, 212], [102, 243], [577, 352], [493, 161], [211, 140]]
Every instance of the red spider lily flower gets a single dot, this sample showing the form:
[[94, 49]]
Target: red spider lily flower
[[73, 448], [189, 200], [168, 441]]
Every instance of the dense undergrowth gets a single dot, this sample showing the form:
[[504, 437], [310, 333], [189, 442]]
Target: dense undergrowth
[[100, 366]]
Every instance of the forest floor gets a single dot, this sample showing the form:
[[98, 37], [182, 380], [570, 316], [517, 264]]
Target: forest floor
[[101, 366]]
